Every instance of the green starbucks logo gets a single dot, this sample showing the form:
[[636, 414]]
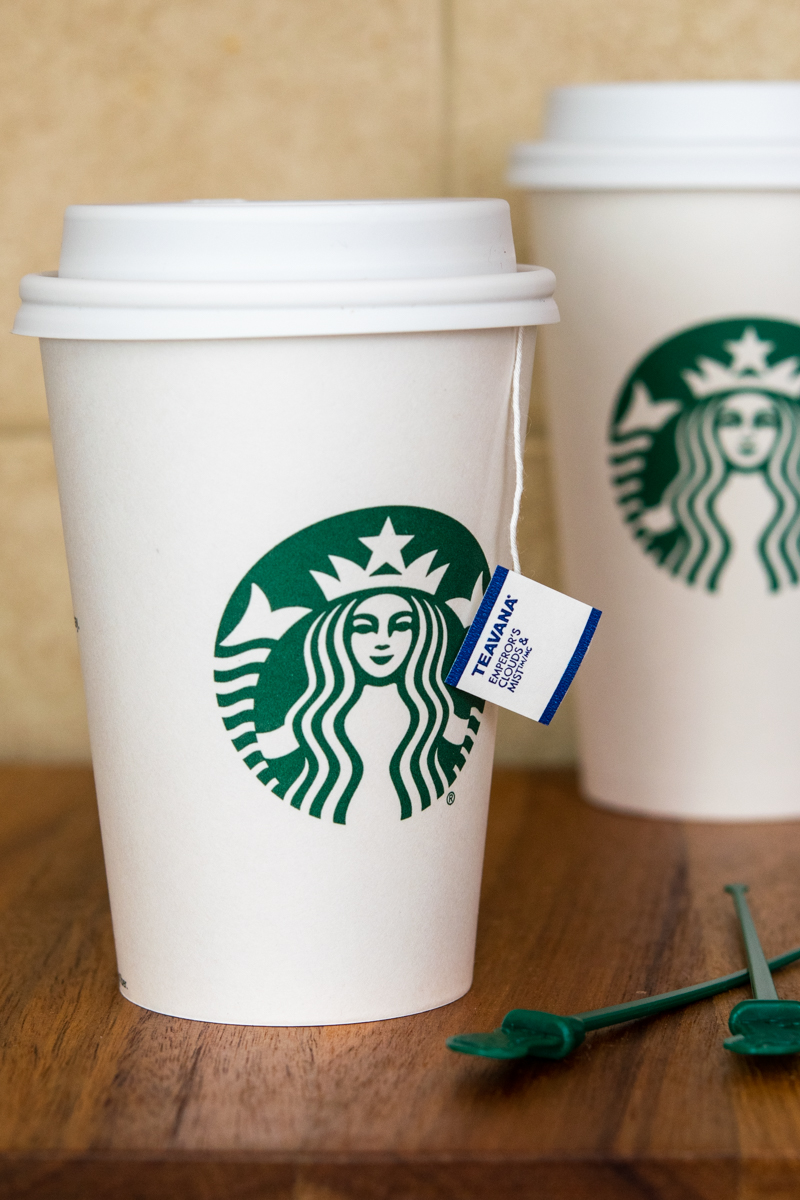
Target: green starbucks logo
[[705, 451], [375, 599]]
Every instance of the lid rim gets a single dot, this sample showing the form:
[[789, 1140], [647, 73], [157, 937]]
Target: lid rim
[[672, 166], [48, 288], [166, 310]]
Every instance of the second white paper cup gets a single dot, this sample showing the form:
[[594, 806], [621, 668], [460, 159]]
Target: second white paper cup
[[276, 540], [671, 214]]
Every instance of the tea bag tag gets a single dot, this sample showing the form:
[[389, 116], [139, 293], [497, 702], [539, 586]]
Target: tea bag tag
[[526, 641], [524, 646]]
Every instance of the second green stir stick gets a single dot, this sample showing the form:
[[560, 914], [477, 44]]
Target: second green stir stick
[[766, 1024]]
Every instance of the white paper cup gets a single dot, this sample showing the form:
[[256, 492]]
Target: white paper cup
[[285, 471], [671, 214]]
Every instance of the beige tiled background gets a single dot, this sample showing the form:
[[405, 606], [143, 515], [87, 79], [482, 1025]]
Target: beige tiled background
[[114, 100]]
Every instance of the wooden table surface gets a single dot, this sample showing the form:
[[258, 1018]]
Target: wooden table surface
[[581, 908]]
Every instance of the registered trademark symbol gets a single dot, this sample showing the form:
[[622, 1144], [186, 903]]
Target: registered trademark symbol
[[451, 797]]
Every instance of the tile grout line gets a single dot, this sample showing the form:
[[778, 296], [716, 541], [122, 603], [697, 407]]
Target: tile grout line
[[447, 75]]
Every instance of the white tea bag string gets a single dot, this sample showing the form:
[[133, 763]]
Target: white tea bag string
[[518, 454], [526, 641]]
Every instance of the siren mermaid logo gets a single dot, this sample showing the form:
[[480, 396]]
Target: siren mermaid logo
[[322, 627], [706, 454]]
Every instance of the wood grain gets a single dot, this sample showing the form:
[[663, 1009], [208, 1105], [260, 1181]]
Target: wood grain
[[580, 908]]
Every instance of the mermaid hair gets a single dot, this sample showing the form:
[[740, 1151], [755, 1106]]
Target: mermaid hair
[[701, 554], [332, 769], [415, 768]]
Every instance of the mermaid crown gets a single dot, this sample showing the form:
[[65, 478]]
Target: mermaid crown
[[748, 372], [385, 569]]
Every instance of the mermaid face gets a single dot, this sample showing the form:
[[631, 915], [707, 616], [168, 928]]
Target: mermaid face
[[381, 633], [747, 427]]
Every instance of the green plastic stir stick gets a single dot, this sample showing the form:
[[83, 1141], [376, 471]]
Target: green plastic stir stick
[[765, 1024], [528, 1033]]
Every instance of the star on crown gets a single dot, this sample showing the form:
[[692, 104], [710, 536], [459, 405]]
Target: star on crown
[[386, 550], [747, 372]]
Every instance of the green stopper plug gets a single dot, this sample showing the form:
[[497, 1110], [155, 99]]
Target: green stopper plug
[[766, 1024]]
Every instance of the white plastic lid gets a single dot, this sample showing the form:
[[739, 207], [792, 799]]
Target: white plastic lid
[[268, 241], [666, 135], [236, 268]]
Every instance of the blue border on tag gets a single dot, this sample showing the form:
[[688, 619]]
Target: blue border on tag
[[572, 667], [478, 625]]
